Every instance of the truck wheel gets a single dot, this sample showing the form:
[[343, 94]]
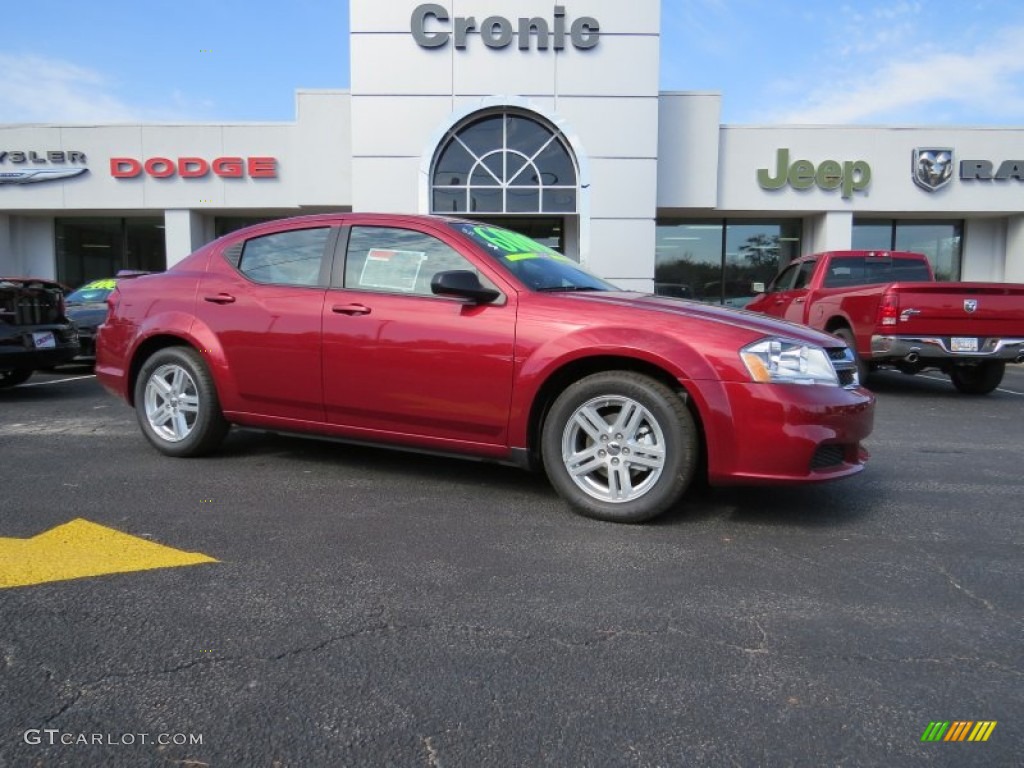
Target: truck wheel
[[863, 368], [14, 378], [176, 403], [978, 379], [619, 446]]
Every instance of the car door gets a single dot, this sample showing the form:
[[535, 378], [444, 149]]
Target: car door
[[788, 296], [402, 361], [264, 302]]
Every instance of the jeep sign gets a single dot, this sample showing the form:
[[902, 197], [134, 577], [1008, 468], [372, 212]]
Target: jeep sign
[[849, 176]]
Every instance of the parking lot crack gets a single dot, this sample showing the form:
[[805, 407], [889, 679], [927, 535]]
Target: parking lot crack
[[959, 587], [371, 630]]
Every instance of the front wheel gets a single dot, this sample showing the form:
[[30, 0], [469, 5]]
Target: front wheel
[[978, 379], [619, 446], [176, 403], [15, 377]]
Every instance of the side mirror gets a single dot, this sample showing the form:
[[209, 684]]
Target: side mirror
[[462, 284], [757, 287]]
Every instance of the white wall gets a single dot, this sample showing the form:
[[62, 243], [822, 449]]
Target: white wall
[[985, 246], [688, 135], [831, 231], [9, 264], [1014, 271], [888, 151], [33, 241], [404, 97]]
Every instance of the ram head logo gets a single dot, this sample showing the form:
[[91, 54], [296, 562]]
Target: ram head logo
[[933, 167]]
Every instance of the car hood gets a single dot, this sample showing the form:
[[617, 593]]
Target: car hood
[[755, 323]]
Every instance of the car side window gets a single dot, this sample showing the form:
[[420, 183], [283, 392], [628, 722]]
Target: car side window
[[395, 260], [784, 280], [285, 258], [803, 275]]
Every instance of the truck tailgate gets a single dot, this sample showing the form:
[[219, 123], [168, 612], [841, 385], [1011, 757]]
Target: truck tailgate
[[961, 309]]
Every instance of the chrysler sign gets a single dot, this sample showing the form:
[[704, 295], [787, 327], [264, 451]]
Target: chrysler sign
[[35, 174]]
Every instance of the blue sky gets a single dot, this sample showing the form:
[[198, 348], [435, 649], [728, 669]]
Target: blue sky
[[929, 62]]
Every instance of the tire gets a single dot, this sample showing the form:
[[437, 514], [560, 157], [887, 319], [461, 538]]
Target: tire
[[863, 368], [978, 379], [14, 378], [632, 416], [176, 403]]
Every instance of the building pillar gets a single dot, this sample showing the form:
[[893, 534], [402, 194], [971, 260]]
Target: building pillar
[[8, 258], [1013, 271], [184, 232], [829, 231]]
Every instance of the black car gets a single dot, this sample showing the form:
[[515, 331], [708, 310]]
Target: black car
[[35, 332], [87, 309]]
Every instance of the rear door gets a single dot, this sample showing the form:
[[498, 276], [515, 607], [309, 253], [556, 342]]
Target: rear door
[[263, 299]]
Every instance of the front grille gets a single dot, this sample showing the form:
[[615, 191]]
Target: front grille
[[846, 376], [837, 353], [827, 456], [29, 305]]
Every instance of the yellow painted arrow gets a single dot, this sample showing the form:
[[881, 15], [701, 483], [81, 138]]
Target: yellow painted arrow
[[79, 549]]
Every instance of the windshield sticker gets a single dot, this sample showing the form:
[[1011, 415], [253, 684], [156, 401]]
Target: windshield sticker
[[510, 242], [96, 285], [393, 270]]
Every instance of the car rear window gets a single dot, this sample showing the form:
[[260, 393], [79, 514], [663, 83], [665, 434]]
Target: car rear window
[[869, 270]]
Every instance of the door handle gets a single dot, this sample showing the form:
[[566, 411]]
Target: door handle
[[801, 300], [220, 298], [350, 309]]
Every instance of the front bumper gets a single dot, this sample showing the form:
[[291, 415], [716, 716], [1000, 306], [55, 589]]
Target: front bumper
[[17, 350], [913, 348], [783, 434], [87, 340]]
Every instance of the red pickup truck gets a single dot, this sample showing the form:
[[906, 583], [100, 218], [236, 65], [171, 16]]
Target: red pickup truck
[[888, 307]]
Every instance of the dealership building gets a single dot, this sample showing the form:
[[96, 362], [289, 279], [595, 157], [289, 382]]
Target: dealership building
[[545, 118]]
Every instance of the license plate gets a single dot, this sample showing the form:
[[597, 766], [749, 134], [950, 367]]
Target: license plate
[[44, 340], [963, 344]]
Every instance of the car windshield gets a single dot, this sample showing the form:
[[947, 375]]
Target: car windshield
[[92, 293], [536, 266]]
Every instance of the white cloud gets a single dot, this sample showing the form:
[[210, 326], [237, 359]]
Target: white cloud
[[37, 89], [984, 85]]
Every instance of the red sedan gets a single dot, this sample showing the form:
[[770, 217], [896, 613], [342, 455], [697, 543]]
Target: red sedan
[[452, 336]]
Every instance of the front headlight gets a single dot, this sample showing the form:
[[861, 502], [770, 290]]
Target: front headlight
[[782, 361]]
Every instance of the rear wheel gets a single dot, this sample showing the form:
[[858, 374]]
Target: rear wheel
[[863, 368], [176, 403], [14, 378], [619, 446], [978, 379]]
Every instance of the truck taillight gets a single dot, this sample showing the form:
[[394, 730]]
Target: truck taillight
[[889, 309]]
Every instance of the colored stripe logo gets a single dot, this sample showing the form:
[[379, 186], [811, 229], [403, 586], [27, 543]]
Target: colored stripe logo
[[958, 730]]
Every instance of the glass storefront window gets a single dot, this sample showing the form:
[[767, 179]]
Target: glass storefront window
[[717, 261], [940, 241], [91, 248], [688, 259]]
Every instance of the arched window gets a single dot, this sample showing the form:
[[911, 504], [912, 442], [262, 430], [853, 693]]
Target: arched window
[[504, 162]]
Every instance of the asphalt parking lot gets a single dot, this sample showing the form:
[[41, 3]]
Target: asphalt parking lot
[[367, 607]]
